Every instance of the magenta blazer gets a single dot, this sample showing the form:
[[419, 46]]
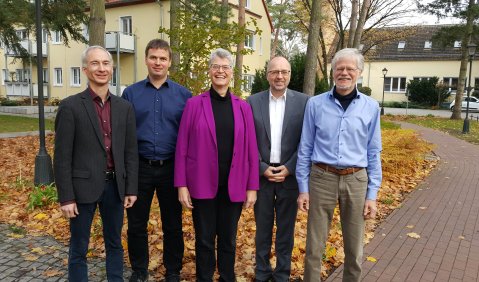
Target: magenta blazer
[[196, 158]]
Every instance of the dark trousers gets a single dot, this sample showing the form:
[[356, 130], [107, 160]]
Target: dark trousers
[[159, 179], [111, 212], [275, 199], [216, 220]]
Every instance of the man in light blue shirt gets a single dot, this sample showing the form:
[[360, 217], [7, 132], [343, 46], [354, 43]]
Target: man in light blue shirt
[[339, 161]]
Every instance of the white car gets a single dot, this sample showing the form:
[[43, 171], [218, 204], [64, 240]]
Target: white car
[[473, 104]]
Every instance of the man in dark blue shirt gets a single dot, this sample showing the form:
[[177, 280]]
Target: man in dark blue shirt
[[158, 103]]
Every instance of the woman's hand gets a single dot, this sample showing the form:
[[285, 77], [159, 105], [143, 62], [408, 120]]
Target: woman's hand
[[184, 197], [250, 199]]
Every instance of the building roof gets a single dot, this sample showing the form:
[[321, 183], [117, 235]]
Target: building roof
[[412, 46]]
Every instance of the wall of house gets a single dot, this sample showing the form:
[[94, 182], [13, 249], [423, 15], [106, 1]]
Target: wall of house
[[372, 75]]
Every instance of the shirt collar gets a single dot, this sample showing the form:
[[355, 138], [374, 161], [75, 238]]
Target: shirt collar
[[166, 83], [271, 97], [95, 96]]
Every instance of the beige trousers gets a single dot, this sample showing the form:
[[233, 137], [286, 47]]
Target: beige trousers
[[325, 190]]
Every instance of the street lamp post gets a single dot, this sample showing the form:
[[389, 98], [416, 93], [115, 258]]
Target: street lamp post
[[385, 71], [43, 162], [471, 49]]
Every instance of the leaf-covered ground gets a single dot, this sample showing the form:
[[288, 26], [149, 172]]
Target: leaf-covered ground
[[405, 164]]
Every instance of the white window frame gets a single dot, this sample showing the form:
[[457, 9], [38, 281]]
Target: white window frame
[[247, 4], [260, 45], [449, 82], [75, 77], [57, 37], [457, 44], [85, 32], [113, 77], [45, 75], [58, 77], [128, 28], [44, 36], [4, 76], [22, 34], [427, 44], [249, 40], [23, 75], [401, 44], [393, 84], [247, 83]]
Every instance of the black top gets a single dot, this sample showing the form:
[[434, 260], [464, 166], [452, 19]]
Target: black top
[[346, 99], [224, 123]]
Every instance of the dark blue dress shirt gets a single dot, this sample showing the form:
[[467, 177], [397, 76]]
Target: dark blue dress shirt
[[158, 114]]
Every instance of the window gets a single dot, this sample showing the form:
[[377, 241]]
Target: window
[[125, 25], [4, 76], [451, 83], [457, 44], [44, 35], [476, 83], [23, 75], [359, 82], [45, 75], [85, 32], [427, 44], [421, 78], [22, 34], [395, 84], [247, 82], [247, 5], [401, 44], [113, 77], [249, 41], [57, 37], [58, 73], [75, 76]]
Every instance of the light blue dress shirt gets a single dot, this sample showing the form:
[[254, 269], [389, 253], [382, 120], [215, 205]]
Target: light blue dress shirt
[[339, 138]]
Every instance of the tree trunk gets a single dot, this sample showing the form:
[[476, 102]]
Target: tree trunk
[[274, 46], [224, 12], [96, 26], [361, 22], [239, 48], [312, 51], [174, 40], [456, 113], [354, 21]]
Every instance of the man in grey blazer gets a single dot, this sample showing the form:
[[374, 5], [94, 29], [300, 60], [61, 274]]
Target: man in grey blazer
[[95, 164], [278, 116]]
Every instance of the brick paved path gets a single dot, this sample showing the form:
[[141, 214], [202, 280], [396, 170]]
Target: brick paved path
[[36, 258], [444, 211]]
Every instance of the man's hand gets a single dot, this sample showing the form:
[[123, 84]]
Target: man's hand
[[250, 199], [184, 197], [70, 210], [276, 174], [370, 209], [129, 201], [303, 201]]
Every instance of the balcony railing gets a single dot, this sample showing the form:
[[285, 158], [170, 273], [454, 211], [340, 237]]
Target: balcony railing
[[22, 89], [33, 49], [115, 39]]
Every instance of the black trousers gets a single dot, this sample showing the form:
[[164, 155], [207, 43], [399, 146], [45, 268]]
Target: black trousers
[[275, 201], [159, 179], [216, 220]]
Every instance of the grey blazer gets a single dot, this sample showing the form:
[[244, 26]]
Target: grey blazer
[[291, 133], [80, 156]]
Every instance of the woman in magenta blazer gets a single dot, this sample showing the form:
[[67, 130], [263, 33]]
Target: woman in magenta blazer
[[216, 168]]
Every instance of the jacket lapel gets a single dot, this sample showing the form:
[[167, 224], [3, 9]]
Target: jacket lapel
[[208, 112], [114, 116], [288, 108], [235, 104], [89, 107], [264, 105]]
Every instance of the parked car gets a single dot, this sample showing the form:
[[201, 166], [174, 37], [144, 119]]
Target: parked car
[[473, 104]]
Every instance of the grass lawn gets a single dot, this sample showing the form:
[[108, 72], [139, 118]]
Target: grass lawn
[[450, 126], [20, 124]]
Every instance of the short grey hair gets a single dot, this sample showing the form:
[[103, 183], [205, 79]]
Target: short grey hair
[[348, 53], [221, 53], [85, 53]]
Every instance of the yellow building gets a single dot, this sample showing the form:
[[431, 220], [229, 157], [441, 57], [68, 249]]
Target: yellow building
[[130, 24]]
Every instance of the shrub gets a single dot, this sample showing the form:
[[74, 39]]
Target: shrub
[[428, 92], [365, 90], [41, 196], [8, 102]]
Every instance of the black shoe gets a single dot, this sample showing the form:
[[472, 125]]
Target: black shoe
[[138, 276]]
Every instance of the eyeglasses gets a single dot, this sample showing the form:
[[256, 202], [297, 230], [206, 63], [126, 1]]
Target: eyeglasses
[[277, 72], [216, 67], [347, 69]]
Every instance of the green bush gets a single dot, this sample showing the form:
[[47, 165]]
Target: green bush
[[8, 102], [41, 196], [428, 92], [365, 90]]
